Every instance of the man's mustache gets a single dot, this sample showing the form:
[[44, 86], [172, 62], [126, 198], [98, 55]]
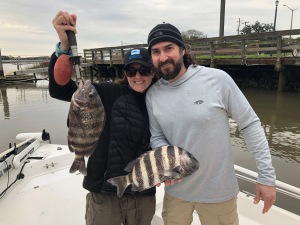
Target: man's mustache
[[168, 61]]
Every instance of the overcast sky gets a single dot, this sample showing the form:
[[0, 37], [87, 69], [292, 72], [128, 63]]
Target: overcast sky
[[26, 25]]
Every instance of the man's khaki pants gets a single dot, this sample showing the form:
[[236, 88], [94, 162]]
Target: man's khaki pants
[[180, 212]]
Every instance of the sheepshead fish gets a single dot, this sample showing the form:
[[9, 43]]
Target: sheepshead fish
[[156, 166], [85, 123]]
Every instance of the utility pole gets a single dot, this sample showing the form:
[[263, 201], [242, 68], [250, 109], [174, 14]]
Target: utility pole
[[292, 17], [276, 4], [238, 30], [1, 66], [222, 18]]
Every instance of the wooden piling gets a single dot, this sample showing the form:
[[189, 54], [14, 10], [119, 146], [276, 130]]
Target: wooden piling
[[1, 66], [281, 81]]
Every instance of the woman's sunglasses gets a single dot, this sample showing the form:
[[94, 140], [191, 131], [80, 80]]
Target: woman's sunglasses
[[131, 71]]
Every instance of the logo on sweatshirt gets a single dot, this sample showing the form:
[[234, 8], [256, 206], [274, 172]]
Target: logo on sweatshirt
[[198, 102]]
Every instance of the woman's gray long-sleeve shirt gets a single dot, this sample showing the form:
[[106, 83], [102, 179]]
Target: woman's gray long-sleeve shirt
[[193, 113]]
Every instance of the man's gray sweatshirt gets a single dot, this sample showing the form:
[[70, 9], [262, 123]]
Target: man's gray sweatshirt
[[193, 113]]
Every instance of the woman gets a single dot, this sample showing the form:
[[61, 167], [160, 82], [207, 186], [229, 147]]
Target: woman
[[124, 138]]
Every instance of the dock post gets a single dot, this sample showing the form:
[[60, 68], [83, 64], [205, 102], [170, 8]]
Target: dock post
[[91, 74], [281, 81], [119, 72], [1, 66], [212, 54]]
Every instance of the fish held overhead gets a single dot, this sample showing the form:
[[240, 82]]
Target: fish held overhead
[[154, 167], [86, 121]]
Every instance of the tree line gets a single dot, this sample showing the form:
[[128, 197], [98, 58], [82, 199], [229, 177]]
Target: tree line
[[257, 27]]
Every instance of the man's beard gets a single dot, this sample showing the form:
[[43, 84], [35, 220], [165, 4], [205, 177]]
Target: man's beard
[[169, 74]]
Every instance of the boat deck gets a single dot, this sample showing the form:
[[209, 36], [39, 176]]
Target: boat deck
[[49, 195]]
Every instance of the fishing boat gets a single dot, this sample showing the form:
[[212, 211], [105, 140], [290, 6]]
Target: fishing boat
[[37, 189]]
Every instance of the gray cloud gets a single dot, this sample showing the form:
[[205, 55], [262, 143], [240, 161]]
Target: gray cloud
[[26, 26]]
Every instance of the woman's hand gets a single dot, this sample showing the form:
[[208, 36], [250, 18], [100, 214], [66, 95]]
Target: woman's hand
[[62, 22]]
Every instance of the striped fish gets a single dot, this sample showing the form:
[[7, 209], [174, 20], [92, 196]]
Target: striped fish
[[154, 167], [85, 123]]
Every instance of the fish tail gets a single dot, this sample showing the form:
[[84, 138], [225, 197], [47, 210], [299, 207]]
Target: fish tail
[[78, 164], [121, 183]]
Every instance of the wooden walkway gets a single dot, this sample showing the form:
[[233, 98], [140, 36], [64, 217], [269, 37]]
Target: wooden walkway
[[276, 49], [272, 48], [279, 50], [28, 75]]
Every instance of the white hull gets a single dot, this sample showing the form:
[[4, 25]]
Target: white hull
[[49, 195]]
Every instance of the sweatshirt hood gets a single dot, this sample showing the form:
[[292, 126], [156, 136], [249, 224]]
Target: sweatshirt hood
[[191, 71]]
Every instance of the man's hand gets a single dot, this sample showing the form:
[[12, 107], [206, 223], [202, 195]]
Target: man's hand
[[268, 193], [169, 182]]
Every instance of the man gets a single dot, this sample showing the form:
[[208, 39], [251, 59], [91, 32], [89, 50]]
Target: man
[[189, 107]]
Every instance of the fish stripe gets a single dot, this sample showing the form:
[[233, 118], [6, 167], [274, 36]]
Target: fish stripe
[[171, 156], [164, 161], [151, 169], [159, 162], [128, 180], [138, 175], [177, 156], [165, 157], [134, 180], [153, 174], [145, 170]]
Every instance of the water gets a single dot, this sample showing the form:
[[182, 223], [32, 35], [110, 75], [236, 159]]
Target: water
[[27, 107], [280, 117], [8, 67]]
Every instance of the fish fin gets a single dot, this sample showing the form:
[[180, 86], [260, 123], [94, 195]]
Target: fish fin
[[70, 145], [136, 188], [167, 173], [177, 171], [164, 178], [121, 184], [78, 164], [68, 122], [170, 174], [129, 166]]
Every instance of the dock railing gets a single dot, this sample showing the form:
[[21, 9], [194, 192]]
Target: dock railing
[[269, 48], [108, 55]]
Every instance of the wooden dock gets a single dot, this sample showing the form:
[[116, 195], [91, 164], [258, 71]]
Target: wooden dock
[[28, 75], [271, 48], [274, 49], [17, 78]]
